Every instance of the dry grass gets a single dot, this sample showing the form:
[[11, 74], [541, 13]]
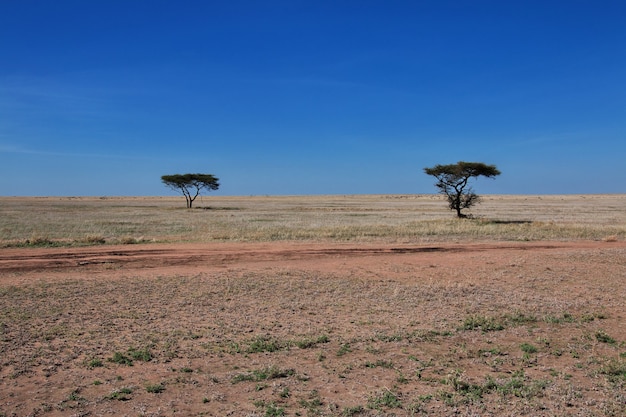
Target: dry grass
[[508, 339], [393, 218], [489, 333]]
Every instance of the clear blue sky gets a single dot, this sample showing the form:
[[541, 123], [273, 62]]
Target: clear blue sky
[[102, 97]]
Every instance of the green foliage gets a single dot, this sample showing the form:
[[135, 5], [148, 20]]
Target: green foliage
[[603, 337], [122, 394], [271, 372], [121, 359], [343, 349], [132, 354], [379, 363], [272, 410], [519, 319], [352, 411], [385, 399], [486, 324], [143, 355], [309, 343], [528, 348], [313, 404], [564, 318], [517, 385], [452, 181], [614, 370], [155, 388], [264, 344], [190, 185], [94, 363]]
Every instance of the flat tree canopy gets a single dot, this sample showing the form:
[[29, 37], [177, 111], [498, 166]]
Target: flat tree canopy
[[190, 185], [452, 181]]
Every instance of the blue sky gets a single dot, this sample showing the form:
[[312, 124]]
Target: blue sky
[[311, 97]]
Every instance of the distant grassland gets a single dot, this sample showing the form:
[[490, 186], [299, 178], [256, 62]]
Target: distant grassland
[[57, 221]]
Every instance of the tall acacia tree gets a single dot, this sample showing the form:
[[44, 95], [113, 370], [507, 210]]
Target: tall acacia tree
[[190, 185], [452, 181]]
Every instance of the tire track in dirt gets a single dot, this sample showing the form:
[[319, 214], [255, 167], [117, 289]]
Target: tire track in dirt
[[149, 256]]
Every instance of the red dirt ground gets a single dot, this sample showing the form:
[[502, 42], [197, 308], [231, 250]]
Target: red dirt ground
[[399, 308]]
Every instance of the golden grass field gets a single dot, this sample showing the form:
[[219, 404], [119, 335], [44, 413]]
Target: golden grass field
[[382, 305], [392, 218]]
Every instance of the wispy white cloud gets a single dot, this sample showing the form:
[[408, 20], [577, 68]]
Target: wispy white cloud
[[16, 149]]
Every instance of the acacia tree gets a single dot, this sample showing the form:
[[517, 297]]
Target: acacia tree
[[190, 185], [452, 181]]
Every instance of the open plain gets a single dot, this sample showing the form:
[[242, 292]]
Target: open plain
[[313, 306]]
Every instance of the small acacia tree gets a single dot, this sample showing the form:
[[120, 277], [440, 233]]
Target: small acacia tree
[[190, 185], [452, 181]]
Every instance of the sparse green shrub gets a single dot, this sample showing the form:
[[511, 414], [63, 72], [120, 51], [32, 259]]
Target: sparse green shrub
[[271, 372], [94, 363], [122, 394], [417, 405], [271, 409], [143, 355], [379, 363], [528, 348], [385, 399], [519, 318], [464, 388], [614, 370], [132, 354], [564, 318], [264, 344], [352, 411], [313, 404], [486, 324], [603, 337], [155, 388], [309, 343], [343, 349], [121, 359]]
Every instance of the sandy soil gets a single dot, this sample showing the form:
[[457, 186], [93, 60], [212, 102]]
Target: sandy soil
[[314, 329]]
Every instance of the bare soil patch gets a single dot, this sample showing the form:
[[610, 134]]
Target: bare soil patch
[[314, 329]]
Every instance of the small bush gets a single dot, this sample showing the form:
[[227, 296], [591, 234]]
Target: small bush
[[94, 363], [379, 363], [155, 388], [121, 359], [143, 355], [309, 343], [343, 349], [602, 337], [122, 394], [528, 348], [271, 372], [614, 370], [264, 344], [486, 324], [387, 399]]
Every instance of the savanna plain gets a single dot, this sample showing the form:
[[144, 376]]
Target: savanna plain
[[377, 305]]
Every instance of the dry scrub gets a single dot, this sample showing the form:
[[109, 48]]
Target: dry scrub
[[54, 221], [491, 330]]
